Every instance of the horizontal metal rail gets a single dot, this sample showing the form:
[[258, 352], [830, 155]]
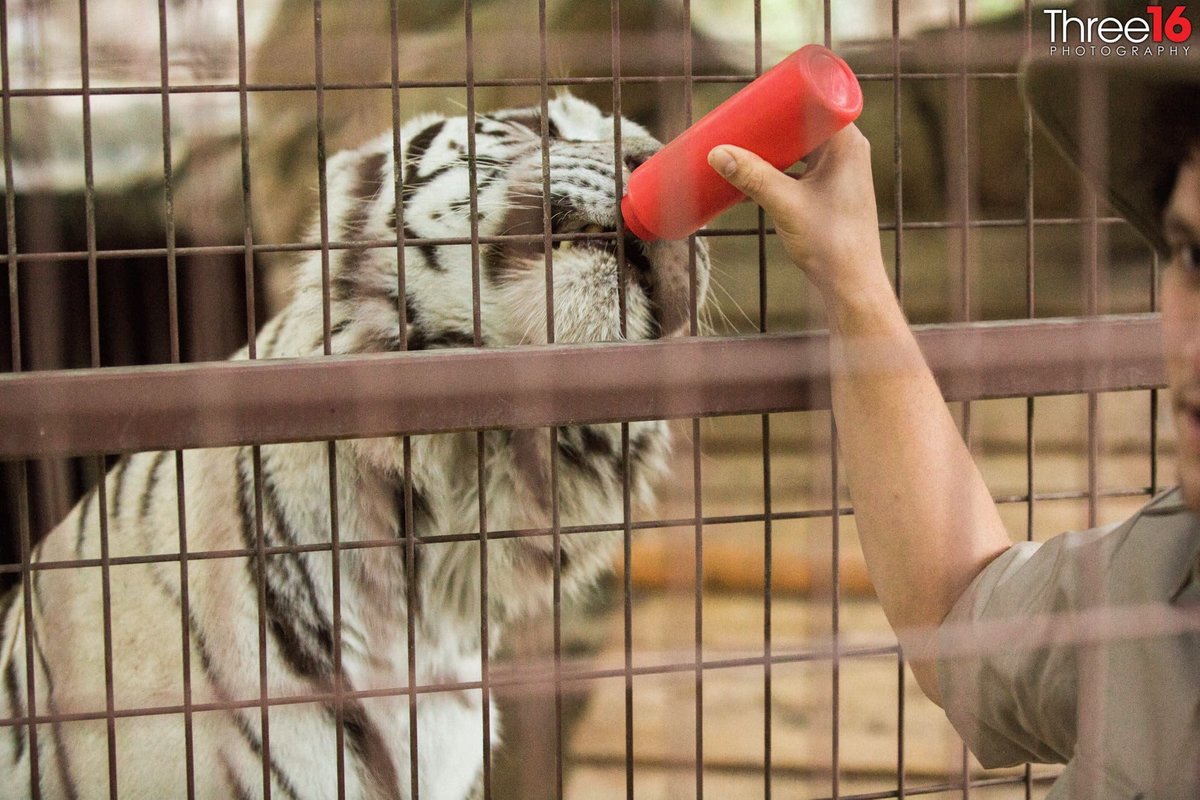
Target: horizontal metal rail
[[79, 258], [122, 90], [113, 410]]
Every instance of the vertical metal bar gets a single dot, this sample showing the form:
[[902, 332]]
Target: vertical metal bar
[[173, 324], [626, 487], [260, 557], [898, 271], [408, 524], [1096, 141], [10, 199], [556, 533], [336, 570], [14, 304], [476, 302], [410, 591], [331, 447], [476, 313], [901, 703], [260, 568], [768, 538], [247, 204], [698, 537], [398, 176], [697, 485], [835, 555], [627, 603], [1093, 479], [555, 521], [89, 189], [964, 264], [835, 572], [897, 153], [964, 100], [1030, 311], [35, 778], [1094, 135], [164, 76], [544, 131], [1155, 273], [322, 178], [1093, 400], [1030, 280], [94, 329]]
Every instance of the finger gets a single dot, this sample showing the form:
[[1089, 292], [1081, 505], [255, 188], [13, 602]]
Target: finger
[[754, 177], [835, 148]]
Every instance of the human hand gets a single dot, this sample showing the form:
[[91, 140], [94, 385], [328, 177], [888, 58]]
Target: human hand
[[826, 219]]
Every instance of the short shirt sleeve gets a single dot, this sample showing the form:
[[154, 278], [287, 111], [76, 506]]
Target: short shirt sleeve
[[1011, 696]]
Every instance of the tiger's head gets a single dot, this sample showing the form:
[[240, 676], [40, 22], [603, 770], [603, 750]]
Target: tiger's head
[[491, 280], [587, 279]]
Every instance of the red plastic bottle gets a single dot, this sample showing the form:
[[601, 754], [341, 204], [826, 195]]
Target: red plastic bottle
[[782, 116]]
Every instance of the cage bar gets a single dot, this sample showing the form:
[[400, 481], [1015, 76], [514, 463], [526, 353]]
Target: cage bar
[[97, 412]]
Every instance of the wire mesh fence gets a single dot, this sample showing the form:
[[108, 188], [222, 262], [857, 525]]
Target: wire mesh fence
[[383, 563]]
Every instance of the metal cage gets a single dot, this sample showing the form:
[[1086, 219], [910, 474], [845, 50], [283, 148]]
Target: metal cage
[[1025, 291]]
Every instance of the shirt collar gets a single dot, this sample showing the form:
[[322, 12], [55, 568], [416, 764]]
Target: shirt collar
[[1171, 503]]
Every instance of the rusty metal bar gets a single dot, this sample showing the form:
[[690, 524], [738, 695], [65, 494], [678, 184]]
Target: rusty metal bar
[[337, 86], [250, 248], [204, 405]]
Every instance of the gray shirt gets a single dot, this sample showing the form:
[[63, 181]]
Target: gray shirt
[[1085, 650]]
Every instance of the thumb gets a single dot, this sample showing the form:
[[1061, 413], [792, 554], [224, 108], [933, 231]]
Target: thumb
[[754, 177]]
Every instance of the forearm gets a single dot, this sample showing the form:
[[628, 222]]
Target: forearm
[[926, 521], [925, 518]]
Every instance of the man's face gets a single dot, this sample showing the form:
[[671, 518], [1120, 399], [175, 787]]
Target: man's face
[[1181, 321]]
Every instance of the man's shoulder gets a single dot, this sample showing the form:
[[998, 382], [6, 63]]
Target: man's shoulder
[[1151, 553], [1166, 503]]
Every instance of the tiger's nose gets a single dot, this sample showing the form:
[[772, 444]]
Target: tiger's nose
[[637, 150], [635, 160]]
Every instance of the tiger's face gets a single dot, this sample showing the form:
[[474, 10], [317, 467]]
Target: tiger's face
[[466, 249], [583, 282]]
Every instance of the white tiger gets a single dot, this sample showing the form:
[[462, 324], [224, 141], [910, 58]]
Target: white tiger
[[232, 757]]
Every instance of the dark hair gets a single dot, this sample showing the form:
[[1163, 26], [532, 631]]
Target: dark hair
[[1169, 136]]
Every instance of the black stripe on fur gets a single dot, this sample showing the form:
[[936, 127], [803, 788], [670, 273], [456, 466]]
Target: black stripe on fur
[[301, 633], [371, 750], [200, 643], [62, 760], [428, 251], [235, 787], [118, 479], [255, 744], [414, 180], [347, 282], [12, 687], [12, 682], [151, 484], [531, 119], [81, 530], [268, 350]]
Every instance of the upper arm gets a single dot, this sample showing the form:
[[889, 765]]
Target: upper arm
[[1008, 687]]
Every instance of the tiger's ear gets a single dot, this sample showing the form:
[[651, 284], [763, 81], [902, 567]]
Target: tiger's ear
[[531, 466]]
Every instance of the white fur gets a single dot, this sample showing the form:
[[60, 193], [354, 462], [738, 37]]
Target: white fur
[[222, 653]]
